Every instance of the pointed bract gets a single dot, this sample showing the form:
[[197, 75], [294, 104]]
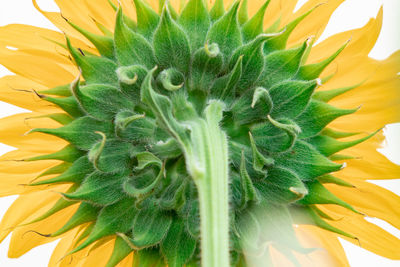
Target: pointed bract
[[171, 44], [226, 32], [131, 47], [147, 18], [195, 20], [254, 26]]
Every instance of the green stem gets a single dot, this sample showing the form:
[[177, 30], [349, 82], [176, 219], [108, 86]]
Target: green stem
[[209, 169], [206, 152]]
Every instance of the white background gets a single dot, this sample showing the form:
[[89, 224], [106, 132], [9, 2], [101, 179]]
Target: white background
[[351, 14]]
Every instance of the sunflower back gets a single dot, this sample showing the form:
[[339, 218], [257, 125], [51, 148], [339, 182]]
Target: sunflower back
[[139, 116]]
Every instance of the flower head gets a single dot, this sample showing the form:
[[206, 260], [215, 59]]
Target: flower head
[[175, 132]]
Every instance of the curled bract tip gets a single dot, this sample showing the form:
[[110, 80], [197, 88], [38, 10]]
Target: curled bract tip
[[212, 50]]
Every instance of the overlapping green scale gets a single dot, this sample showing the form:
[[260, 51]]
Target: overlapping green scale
[[129, 117]]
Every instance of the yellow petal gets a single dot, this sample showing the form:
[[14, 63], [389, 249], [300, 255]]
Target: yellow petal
[[354, 65], [15, 175], [60, 58], [356, 70], [370, 199], [362, 40], [286, 10], [22, 240], [62, 247], [77, 12], [277, 10], [66, 244], [127, 262], [99, 255], [102, 12], [9, 164], [277, 258], [26, 208], [13, 130], [369, 163], [315, 23], [329, 251], [59, 22], [37, 68], [379, 96], [12, 91], [14, 184], [29, 37], [35, 42], [22, 36], [371, 237]]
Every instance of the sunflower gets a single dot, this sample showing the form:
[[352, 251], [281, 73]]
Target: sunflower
[[197, 133]]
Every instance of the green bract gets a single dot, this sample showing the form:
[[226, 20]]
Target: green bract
[[183, 114]]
